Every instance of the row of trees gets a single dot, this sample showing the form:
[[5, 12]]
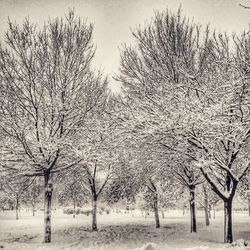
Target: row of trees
[[188, 89], [15, 192], [181, 120]]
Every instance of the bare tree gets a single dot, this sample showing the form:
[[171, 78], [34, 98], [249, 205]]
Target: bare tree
[[48, 93], [70, 189], [222, 134], [196, 86], [16, 188], [34, 193], [99, 150], [154, 75], [190, 177]]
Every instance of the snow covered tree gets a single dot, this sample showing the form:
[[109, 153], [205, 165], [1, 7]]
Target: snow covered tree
[[96, 185], [153, 75], [49, 92], [34, 193], [193, 88], [190, 177], [220, 130], [207, 207], [143, 172], [71, 190], [244, 191], [99, 151], [205, 198], [15, 189], [124, 185]]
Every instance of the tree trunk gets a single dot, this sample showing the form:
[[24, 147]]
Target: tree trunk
[[249, 207], [192, 209], [33, 208], [206, 208], [162, 213], [214, 211], [228, 232], [94, 220], [206, 216], [47, 207], [156, 212], [17, 208], [209, 211], [74, 212]]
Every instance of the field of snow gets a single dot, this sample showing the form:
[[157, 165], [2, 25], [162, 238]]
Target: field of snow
[[117, 231]]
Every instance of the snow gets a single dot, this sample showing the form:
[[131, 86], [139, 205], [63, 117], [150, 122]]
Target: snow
[[118, 231]]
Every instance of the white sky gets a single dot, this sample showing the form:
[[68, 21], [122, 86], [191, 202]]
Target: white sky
[[113, 19]]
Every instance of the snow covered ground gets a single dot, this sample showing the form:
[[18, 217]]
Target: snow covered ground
[[117, 231]]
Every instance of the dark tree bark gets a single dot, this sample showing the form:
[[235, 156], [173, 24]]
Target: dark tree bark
[[156, 212], [74, 212], [209, 211], [94, 211], [228, 232], [231, 183], [17, 208], [206, 206], [47, 207], [206, 216], [192, 209], [33, 208], [153, 189]]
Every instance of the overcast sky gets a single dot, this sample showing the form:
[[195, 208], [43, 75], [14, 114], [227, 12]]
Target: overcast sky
[[113, 19]]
